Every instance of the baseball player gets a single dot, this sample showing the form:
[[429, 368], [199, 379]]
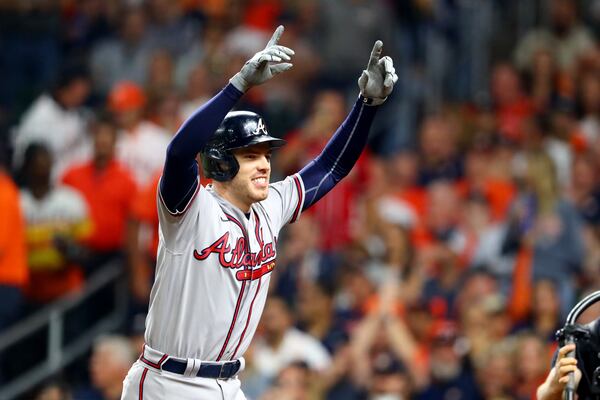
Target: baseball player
[[218, 244]]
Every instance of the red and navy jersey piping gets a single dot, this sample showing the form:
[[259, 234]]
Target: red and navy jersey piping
[[298, 208]]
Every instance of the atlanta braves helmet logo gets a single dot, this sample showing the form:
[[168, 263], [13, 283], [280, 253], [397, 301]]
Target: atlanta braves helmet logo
[[260, 128]]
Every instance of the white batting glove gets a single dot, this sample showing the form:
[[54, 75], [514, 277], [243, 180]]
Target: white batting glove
[[264, 65], [377, 81]]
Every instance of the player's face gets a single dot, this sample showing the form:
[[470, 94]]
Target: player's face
[[251, 183]]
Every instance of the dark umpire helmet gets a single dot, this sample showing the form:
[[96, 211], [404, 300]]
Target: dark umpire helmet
[[238, 129]]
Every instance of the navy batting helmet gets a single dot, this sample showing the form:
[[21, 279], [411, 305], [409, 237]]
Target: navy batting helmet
[[238, 129]]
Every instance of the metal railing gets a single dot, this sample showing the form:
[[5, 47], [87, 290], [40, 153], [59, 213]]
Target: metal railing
[[53, 317]]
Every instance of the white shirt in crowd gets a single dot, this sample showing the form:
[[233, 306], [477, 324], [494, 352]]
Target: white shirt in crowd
[[295, 346], [64, 131]]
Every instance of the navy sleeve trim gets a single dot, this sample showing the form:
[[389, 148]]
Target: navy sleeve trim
[[300, 198]]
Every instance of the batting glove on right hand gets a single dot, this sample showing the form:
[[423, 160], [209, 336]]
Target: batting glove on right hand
[[377, 81], [264, 65]]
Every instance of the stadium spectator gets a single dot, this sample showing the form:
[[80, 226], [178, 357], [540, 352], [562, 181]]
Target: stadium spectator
[[584, 192], [566, 38], [510, 103], [58, 120], [544, 229], [543, 80], [124, 57], [530, 360], [545, 317], [141, 249], [108, 188], [317, 316], [294, 382], [449, 371], [495, 372], [110, 361], [438, 142], [166, 111], [390, 379], [482, 181], [482, 236], [14, 274], [383, 333], [402, 174], [141, 144], [54, 390], [588, 102], [280, 343], [540, 134], [161, 78], [57, 224], [303, 261], [197, 90]]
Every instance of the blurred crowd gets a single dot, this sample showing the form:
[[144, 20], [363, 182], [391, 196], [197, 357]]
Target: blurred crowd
[[440, 268]]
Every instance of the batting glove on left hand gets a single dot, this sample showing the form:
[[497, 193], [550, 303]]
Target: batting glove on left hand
[[264, 65], [377, 81]]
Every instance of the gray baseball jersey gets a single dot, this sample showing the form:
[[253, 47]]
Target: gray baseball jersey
[[213, 270]]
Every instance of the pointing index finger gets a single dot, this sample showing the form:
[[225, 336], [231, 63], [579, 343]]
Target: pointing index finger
[[375, 54], [276, 36]]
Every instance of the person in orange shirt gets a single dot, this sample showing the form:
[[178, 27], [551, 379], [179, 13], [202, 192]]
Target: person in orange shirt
[[141, 247], [141, 144], [13, 255], [511, 104], [108, 189]]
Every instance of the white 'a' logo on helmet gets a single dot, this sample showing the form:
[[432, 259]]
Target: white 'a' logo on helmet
[[260, 128]]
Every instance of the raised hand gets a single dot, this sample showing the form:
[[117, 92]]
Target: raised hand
[[265, 64], [377, 81]]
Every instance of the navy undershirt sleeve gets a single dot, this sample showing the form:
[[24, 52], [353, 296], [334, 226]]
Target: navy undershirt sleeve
[[339, 155], [180, 173]]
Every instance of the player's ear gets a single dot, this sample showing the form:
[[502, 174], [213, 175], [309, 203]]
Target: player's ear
[[224, 167]]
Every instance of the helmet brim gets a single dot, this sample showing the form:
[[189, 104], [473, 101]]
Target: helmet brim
[[273, 142]]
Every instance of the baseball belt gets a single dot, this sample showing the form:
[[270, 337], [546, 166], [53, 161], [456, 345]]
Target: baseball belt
[[224, 370], [205, 369]]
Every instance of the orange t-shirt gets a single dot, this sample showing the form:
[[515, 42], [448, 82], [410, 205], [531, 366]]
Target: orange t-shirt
[[144, 209], [13, 252], [109, 194]]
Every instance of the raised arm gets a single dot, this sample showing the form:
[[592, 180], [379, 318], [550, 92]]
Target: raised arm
[[343, 149], [180, 174]]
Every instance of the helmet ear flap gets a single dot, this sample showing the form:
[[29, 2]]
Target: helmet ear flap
[[219, 165]]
